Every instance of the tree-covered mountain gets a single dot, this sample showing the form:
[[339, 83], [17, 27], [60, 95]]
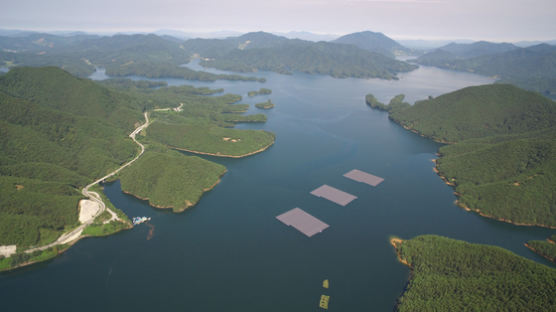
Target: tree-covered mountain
[[120, 55], [452, 275], [374, 42], [58, 134], [502, 153], [263, 51], [154, 56], [532, 68]]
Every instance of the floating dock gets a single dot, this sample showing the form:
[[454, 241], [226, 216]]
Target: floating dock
[[361, 176], [334, 195], [324, 299], [302, 221]]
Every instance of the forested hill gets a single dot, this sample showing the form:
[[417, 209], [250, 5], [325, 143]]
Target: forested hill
[[502, 162], [476, 112], [374, 42], [58, 134], [532, 68], [451, 275], [263, 51], [120, 55]]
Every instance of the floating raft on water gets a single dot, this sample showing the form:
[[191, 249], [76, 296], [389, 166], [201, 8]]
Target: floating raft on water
[[325, 283], [361, 176], [303, 222], [334, 195], [324, 299], [139, 220]]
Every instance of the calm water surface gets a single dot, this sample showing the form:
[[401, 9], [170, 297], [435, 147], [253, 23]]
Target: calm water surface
[[229, 253]]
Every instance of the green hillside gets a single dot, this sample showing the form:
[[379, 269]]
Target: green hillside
[[451, 275], [476, 112], [58, 134], [502, 156], [158, 176]]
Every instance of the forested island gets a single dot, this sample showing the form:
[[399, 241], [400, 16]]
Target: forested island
[[451, 275], [60, 133], [262, 91], [265, 105]]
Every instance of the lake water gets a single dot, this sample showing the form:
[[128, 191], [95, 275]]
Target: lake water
[[229, 253]]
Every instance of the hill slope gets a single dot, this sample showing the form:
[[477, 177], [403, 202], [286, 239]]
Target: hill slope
[[502, 162], [49, 151], [451, 275], [374, 42]]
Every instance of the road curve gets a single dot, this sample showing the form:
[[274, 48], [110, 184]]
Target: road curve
[[75, 234]]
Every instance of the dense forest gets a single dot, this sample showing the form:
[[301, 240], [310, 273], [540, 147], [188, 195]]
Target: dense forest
[[451, 275], [502, 160], [58, 134]]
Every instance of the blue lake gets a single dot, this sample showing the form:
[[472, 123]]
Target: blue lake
[[229, 253]]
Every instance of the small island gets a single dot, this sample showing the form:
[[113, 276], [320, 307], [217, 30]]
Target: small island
[[265, 105], [262, 91]]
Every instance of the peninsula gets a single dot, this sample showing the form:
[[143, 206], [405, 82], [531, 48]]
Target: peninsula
[[451, 275], [62, 132]]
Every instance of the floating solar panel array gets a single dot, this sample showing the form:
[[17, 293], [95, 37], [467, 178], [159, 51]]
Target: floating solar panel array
[[302, 221], [309, 225], [334, 195], [361, 176]]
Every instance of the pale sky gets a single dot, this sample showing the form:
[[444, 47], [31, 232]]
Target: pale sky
[[495, 20]]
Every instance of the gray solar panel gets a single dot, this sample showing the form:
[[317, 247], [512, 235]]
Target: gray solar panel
[[333, 194], [361, 176], [302, 221]]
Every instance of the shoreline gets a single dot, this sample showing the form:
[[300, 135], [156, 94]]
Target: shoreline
[[539, 253], [458, 195], [224, 155], [66, 247], [396, 243]]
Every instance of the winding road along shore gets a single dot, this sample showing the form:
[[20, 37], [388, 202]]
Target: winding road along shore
[[74, 235]]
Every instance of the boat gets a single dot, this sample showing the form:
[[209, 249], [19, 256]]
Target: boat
[[139, 220]]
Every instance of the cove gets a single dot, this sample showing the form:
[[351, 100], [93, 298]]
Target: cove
[[229, 253]]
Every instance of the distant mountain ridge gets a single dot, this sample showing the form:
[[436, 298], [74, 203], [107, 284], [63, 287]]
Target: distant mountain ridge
[[374, 42], [532, 68], [264, 51], [154, 56]]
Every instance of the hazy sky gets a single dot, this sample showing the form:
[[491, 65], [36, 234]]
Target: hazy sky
[[496, 20]]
